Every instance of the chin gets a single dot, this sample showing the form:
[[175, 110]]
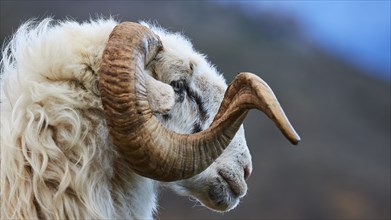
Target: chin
[[220, 191], [223, 205]]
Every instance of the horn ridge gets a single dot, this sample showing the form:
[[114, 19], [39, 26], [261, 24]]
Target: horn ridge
[[147, 146]]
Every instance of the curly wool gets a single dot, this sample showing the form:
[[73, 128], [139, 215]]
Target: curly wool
[[56, 161]]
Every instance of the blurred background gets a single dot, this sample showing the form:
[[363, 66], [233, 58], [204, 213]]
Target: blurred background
[[328, 63]]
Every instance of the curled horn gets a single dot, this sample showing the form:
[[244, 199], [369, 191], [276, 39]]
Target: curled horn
[[148, 147]]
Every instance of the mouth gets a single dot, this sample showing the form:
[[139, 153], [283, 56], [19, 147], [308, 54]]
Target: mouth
[[220, 198], [224, 193]]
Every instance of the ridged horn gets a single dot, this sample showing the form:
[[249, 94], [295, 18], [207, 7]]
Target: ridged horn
[[248, 91], [148, 147]]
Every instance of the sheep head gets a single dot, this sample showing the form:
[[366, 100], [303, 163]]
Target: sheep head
[[150, 148]]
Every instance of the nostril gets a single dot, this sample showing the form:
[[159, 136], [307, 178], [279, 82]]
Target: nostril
[[247, 172]]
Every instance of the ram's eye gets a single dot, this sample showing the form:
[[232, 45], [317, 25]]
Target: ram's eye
[[179, 87]]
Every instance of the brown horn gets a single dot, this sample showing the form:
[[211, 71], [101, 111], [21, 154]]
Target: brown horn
[[248, 91], [150, 148]]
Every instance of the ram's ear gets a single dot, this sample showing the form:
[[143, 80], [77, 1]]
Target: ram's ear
[[161, 96]]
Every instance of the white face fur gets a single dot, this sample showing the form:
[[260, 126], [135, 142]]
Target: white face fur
[[198, 90]]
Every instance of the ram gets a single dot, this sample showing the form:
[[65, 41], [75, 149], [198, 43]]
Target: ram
[[95, 116]]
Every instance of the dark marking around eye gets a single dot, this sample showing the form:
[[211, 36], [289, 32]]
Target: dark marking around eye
[[198, 100], [167, 117], [196, 128], [180, 87]]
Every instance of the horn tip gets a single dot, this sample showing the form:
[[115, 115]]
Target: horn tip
[[295, 140]]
